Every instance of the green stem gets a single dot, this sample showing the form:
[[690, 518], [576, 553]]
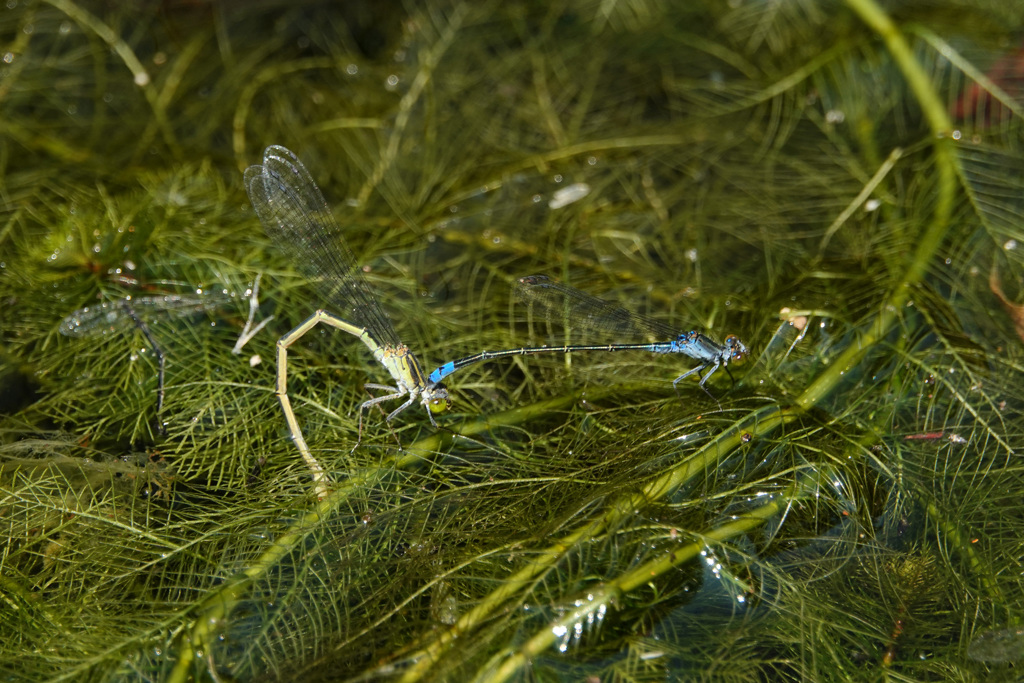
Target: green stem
[[127, 55], [706, 459], [272, 73], [600, 598], [771, 418], [429, 60], [931, 240], [218, 605]]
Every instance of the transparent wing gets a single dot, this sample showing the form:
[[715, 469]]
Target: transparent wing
[[113, 316], [296, 216], [577, 310]]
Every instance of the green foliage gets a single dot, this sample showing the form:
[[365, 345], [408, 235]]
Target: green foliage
[[839, 187]]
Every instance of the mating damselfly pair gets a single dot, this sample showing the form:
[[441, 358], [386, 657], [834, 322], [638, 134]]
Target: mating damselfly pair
[[297, 217]]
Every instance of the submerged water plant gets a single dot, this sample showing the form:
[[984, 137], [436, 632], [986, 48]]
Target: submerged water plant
[[839, 185]]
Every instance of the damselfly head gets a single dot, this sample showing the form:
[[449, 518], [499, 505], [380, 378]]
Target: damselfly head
[[738, 351], [435, 398]]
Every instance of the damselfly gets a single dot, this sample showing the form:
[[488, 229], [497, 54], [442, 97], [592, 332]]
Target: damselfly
[[583, 311], [296, 216]]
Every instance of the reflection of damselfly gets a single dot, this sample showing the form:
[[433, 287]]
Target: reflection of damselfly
[[296, 216], [110, 317], [580, 311]]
